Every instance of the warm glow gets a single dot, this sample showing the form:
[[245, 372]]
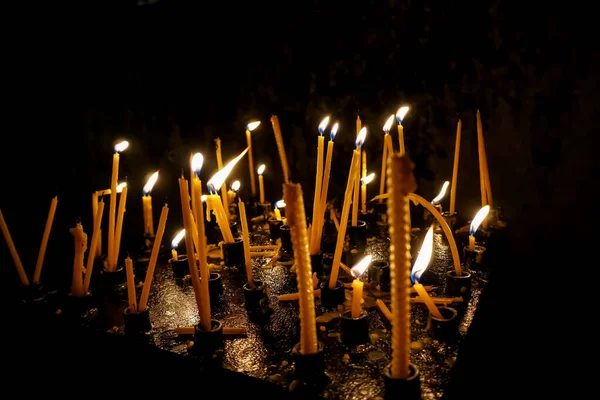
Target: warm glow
[[261, 169], [252, 125], [177, 239], [401, 114], [424, 256], [323, 125], [120, 186], [334, 130], [203, 198], [217, 180], [388, 124], [367, 179], [197, 161], [360, 138], [119, 147], [361, 267], [235, 186], [150, 184], [479, 217], [442, 193], [280, 204]]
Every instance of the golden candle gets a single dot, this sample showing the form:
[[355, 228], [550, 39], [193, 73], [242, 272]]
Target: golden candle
[[175, 243], [246, 239], [95, 196], [477, 220], [358, 125], [280, 148], [235, 186], [315, 239], [400, 114], [147, 204], [130, 285], [363, 188], [261, 183], [119, 147], [80, 239], [480, 152], [249, 128], [400, 182], [196, 162], [325, 186], [45, 237], [292, 194], [386, 148], [357, 285], [95, 241], [355, 193], [339, 247], [122, 188], [334, 218], [455, 168], [433, 310], [224, 192], [153, 258], [483, 166], [277, 214], [417, 271], [13, 251]]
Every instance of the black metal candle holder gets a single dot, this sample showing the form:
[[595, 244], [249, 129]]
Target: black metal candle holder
[[112, 282], [257, 297], [379, 274], [208, 342], [331, 298], [354, 331], [286, 238], [215, 285], [140, 266], [76, 306], [136, 323], [180, 266], [474, 258], [309, 368], [445, 328], [316, 261], [358, 235], [274, 228], [409, 388], [352, 256], [233, 254], [458, 285]]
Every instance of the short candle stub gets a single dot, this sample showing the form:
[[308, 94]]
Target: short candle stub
[[331, 298], [180, 266], [354, 331], [316, 262], [208, 342], [137, 323], [257, 297], [474, 258], [286, 239], [446, 328], [274, 228], [358, 235], [233, 254], [215, 285], [408, 389], [458, 285], [309, 367], [379, 275]]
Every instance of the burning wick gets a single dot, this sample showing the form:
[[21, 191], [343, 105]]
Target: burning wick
[[441, 195], [175, 242], [278, 205], [479, 217], [419, 267], [357, 285]]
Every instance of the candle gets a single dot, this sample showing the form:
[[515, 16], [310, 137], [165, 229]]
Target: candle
[[175, 242], [483, 169], [357, 285], [261, 183], [455, 168], [387, 150], [196, 162], [278, 205], [479, 217], [96, 235], [280, 148], [249, 128], [235, 186], [400, 114], [358, 125], [95, 196], [45, 237], [437, 199], [13, 251], [147, 204], [400, 183], [325, 186], [354, 165], [363, 191], [119, 147], [363, 188], [224, 192], [80, 239], [130, 285], [420, 266], [121, 188], [357, 180], [292, 193], [246, 239], [315, 239]]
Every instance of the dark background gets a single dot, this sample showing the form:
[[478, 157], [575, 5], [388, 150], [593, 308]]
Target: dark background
[[170, 78]]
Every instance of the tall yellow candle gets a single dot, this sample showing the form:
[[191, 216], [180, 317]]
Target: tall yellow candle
[[45, 237], [363, 188], [339, 247], [401, 182], [358, 125], [315, 239], [325, 187], [95, 196], [477, 220], [455, 168], [387, 150], [249, 128], [357, 181], [205, 316], [80, 239], [357, 285], [96, 235], [480, 151], [147, 204], [224, 192], [119, 147], [417, 271], [130, 285], [292, 194], [483, 168], [280, 148], [13, 251], [261, 183], [122, 188], [246, 239], [400, 114], [153, 258]]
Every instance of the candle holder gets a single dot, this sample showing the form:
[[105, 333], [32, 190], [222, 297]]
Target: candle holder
[[358, 235], [331, 298], [474, 259], [233, 254], [76, 306], [354, 331], [451, 219], [379, 274], [274, 228], [33, 294], [409, 388], [458, 285], [137, 323], [445, 328], [256, 298], [112, 282], [286, 238], [180, 266], [140, 266], [316, 261], [207, 342], [309, 368], [215, 285]]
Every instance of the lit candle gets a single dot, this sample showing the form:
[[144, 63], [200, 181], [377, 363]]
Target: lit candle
[[153, 258], [196, 162], [387, 150], [80, 238], [483, 168], [261, 183], [121, 188], [339, 247], [130, 285], [363, 188], [246, 239], [119, 147], [45, 237], [147, 204], [420, 266], [292, 193], [249, 128], [13, 251], [279, 205], [96, 235], [400, 183], [437, 199], [315, 240], [400, 114], [363, 198], [175, 242], [357, 180], [224, 193], [455, 168], [280, 148], [235, 186], [325, 187], [479, 217], [357, 285], [95, 196]]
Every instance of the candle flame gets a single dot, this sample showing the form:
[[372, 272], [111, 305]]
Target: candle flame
[[360, 138], [252, 125], [388, 124], [424, 256], [119, 147], [361, 267], [261, 169], [323, 125], [367, 179], [442, 193], [203, 198], [150, 184], [197, 161], [235, 186], [334, 130], [479, 217], [401, 113], [121, 186], [217, 179], [280, 204], [177, 239]]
